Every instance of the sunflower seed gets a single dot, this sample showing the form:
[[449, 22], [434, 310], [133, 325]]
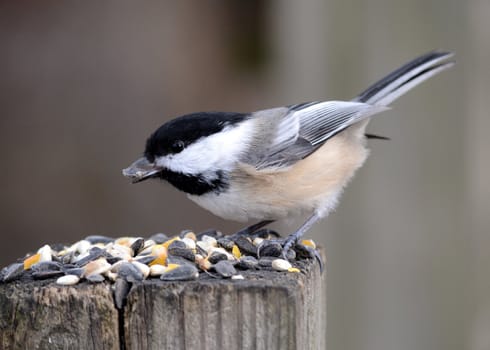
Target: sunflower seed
[[78, 271], [12, 272], [95, 278], [146, 259], [130, 272], [181, 273], [266, 261], [144, 269], [189, 243], [121, 290], [248, 262], [225, 268], [47, 266], [137, 245], [159, 238], [42, 275], [217, 256], [245, 245], [182, 252], [268, 248], [226, 243]]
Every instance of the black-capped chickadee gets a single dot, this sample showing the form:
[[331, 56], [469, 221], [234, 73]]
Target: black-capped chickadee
[[279, 162]]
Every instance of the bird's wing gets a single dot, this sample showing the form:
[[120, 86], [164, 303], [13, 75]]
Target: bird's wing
[[292, 133]]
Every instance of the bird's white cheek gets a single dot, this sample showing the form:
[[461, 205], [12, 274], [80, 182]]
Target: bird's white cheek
[[213, 153]]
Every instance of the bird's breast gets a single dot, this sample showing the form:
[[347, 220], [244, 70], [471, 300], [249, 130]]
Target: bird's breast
[[311, 184]]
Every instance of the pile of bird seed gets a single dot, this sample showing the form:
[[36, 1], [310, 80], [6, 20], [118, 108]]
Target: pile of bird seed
[[188, 256]]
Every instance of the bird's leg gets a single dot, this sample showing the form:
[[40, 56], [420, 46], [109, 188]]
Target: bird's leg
[[252, 228], [294, 237]]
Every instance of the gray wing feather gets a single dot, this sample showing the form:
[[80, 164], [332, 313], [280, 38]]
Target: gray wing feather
[[321, 121], [295, 133]]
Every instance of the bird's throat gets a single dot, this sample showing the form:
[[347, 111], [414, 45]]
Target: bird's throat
[[195, 184]]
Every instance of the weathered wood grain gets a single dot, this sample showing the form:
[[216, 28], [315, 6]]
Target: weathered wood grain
[[270, 311], [37, 315]]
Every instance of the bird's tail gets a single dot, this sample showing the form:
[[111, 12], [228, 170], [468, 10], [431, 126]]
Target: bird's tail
[[395, 84]]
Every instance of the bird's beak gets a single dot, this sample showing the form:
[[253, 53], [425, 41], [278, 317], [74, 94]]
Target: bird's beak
[[141, 170]]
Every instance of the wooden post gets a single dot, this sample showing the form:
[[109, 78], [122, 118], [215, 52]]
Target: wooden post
[[266, 310], [40, 315]]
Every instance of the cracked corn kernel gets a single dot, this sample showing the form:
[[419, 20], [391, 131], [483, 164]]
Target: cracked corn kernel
[[308, 243], [168, 242], [236, 252], [33, 259], [160, 251]]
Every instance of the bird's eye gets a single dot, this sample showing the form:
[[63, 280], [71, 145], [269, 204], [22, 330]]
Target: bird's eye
[[177, 146]]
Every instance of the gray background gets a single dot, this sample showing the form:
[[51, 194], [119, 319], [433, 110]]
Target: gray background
[[82, 84]]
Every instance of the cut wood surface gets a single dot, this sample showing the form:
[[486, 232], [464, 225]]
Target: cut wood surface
[[266, 310]]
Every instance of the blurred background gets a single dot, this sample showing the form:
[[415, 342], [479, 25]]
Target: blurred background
[[83, 84]]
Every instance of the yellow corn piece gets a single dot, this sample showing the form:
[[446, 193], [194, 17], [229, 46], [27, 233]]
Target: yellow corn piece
[[293, 269], [171, 267], [167, 243], [236, 251], [33, 259], [160, 251], [191, 235], [308, 243]]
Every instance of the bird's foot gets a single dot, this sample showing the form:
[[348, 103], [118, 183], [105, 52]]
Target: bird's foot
[[292, 248]]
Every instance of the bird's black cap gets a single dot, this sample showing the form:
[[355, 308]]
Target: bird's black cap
[[173, 136]]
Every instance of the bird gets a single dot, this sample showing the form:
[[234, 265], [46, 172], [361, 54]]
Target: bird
[[279, 162]]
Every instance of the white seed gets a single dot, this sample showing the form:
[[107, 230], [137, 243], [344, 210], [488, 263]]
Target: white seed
[[146, 251], [157, 270], [191, 235], [145, 269], [68, 280], [111, 275], [203, 246], [281, 264], [222, 251], [82, 246], [257, 241], [120, 251], [63, 252], [116, 265], [96, 267], [122, 248], [45, 253], [189, 243], [80, 257], [208, 240], [148, 243], [237, 277]]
